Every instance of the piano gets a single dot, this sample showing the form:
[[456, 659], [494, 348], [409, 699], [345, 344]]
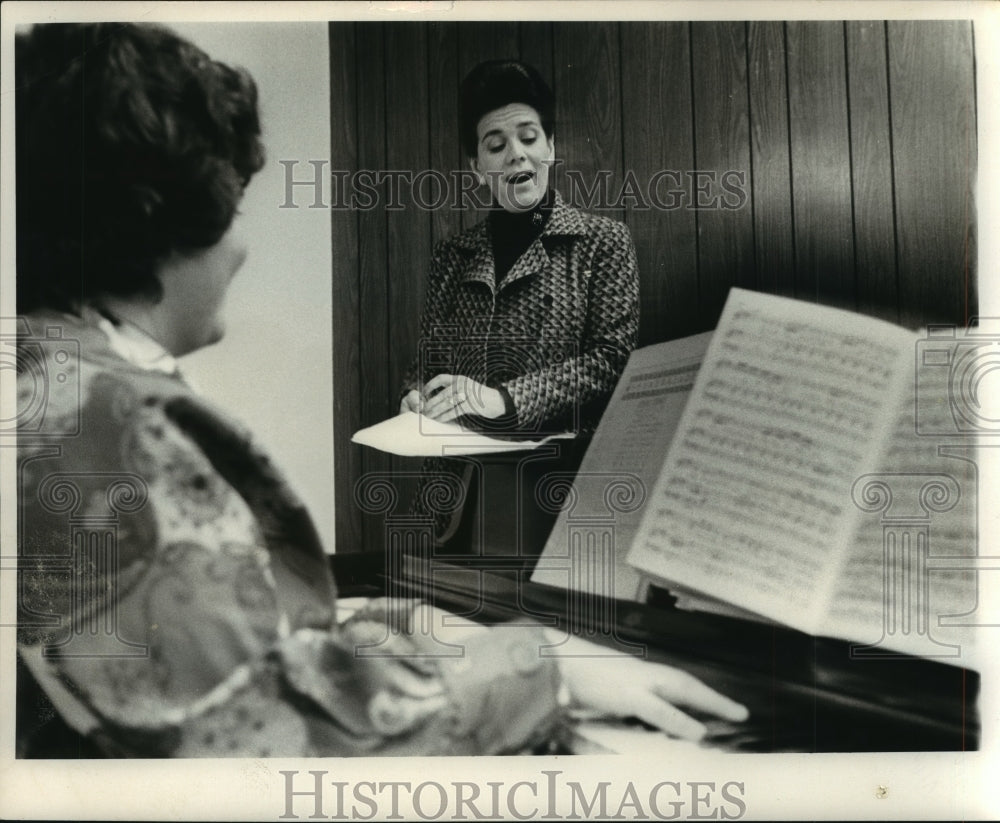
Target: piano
[[804, 693]]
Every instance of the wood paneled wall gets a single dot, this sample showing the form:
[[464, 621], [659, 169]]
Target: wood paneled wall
[[857, 142]]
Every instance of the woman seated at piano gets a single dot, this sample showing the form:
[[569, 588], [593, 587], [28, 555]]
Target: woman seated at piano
[[539, 302], [207, 625]]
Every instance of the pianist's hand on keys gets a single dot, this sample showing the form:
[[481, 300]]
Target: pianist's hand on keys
[[622, 686], [612, 683]]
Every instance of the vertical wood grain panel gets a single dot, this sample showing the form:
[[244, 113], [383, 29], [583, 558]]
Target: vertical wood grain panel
[[588, 107], [481, 41], [409, 229], [446, 154], [658, 146], [345, 294], [871, 170], [771, 186], [536, 46], [821, 163], [375, 350], [934, 151], [409, 226], [722, 144]]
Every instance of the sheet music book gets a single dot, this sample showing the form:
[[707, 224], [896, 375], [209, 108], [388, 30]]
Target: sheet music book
[[792, 486]]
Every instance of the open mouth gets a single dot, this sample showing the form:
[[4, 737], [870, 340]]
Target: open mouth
[[520, 177]]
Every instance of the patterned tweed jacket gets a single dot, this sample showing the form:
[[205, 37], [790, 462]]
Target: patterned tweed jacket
[[175, 599], [555, 333]]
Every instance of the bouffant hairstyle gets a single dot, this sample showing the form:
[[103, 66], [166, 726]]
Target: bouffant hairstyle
[[498, 83], [131, 144]]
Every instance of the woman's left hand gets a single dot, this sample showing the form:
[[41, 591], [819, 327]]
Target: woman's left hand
[[450, 396]]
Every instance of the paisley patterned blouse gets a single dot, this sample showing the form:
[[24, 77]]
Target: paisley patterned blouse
[[174, 598]]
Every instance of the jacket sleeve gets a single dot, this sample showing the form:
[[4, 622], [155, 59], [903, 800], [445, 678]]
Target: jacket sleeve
[[435, 303], [183, 639], [609, 336]]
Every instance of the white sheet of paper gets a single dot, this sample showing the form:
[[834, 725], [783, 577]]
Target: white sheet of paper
[[413, 435]]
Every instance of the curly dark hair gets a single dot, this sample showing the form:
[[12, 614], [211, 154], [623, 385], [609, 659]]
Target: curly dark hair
[[132, 144], [498, 83]]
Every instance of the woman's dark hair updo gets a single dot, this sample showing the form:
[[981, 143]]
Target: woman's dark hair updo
[[131, 144], [498, 83]]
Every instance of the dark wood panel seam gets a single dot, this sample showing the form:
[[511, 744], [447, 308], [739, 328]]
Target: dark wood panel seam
[[386, 292], [694, 163], [348, 528], [791, 169], [621, 113], [975, 130], [429, 157], [357, 214], [358, 464], [850, 164], [892, 163], [753, 210]]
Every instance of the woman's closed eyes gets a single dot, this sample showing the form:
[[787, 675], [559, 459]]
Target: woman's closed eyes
[[528, 137]]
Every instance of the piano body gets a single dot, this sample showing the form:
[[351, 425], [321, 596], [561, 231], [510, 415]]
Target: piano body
[[804, 693]]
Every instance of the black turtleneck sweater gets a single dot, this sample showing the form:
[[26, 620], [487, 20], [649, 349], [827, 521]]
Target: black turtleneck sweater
[[512, 232]]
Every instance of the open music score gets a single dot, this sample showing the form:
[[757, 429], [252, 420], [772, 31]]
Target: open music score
[[755, 501]]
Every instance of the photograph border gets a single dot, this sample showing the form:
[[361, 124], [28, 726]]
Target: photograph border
[[918, 785]]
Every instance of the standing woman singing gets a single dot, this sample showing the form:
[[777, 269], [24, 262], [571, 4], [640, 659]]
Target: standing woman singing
[[539, 302]]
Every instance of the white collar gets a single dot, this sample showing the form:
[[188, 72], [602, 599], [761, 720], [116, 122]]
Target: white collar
[[133, 344]]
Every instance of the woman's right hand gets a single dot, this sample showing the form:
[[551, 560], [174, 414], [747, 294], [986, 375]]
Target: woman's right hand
[[623, 686], [412, 402]]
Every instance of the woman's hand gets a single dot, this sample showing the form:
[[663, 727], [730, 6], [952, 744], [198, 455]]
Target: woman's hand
[[627, 687], [411, 402], [449, 396]]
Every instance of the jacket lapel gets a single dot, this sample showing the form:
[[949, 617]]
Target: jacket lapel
[[564, 220], [476, 244], [482, 269], [534, 260]]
